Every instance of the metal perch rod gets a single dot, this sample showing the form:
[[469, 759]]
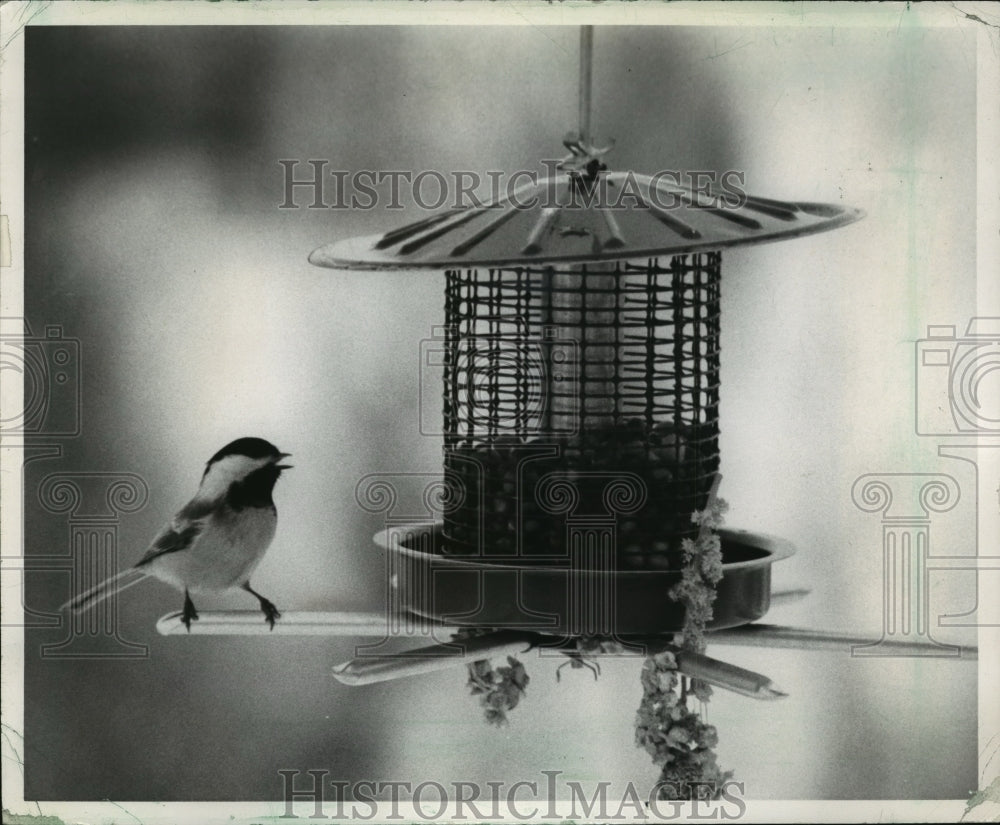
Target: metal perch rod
[[291, 623], [375, 625], [326, 623]]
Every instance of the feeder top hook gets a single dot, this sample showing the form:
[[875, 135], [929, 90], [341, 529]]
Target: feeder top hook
[[583, 214], [583, 163]]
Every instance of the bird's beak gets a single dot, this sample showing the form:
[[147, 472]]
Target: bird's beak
[[283, 466]]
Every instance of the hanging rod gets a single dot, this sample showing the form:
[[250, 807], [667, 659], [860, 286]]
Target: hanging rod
[[586, 74]]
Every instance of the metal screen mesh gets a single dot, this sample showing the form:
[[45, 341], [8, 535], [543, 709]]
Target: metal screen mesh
[[582, 374]]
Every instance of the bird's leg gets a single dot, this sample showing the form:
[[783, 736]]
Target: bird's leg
[[271, 613], [190, 614]]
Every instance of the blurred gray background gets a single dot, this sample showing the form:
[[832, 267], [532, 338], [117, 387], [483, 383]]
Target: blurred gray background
[[154, 237]]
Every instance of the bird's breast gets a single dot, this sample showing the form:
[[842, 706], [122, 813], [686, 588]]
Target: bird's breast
[[226, 552]]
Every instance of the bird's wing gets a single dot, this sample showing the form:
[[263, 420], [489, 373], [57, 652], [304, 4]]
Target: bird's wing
[[180, 533]]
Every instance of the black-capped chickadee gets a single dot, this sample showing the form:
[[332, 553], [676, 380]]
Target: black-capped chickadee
[[217, 539]]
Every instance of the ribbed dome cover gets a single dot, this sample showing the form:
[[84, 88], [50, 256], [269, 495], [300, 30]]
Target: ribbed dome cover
[[622, 215]]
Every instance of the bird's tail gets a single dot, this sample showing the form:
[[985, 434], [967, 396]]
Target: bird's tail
[[98, 593]]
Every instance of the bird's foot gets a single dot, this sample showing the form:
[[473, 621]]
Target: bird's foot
[[271, 613], [189, 613]]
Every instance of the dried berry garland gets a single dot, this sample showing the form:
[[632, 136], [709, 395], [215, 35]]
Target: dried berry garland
[[676, 737], [499, 690]]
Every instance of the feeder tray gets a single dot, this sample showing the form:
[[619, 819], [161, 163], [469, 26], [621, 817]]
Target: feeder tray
[[565, 600]]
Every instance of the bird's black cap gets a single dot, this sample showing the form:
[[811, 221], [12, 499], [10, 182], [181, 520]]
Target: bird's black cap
[[249, 447]]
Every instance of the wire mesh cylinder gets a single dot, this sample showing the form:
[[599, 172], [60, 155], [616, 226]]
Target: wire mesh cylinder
[[583, 374]]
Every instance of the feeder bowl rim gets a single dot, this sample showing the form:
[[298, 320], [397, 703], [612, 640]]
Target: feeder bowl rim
[[776, 549]]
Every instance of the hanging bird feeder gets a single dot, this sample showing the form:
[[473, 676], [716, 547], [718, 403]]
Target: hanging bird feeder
[[581, 382], [581, 423]]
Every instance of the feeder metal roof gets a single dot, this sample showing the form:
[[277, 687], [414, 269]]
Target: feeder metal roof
[[556, 220]]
